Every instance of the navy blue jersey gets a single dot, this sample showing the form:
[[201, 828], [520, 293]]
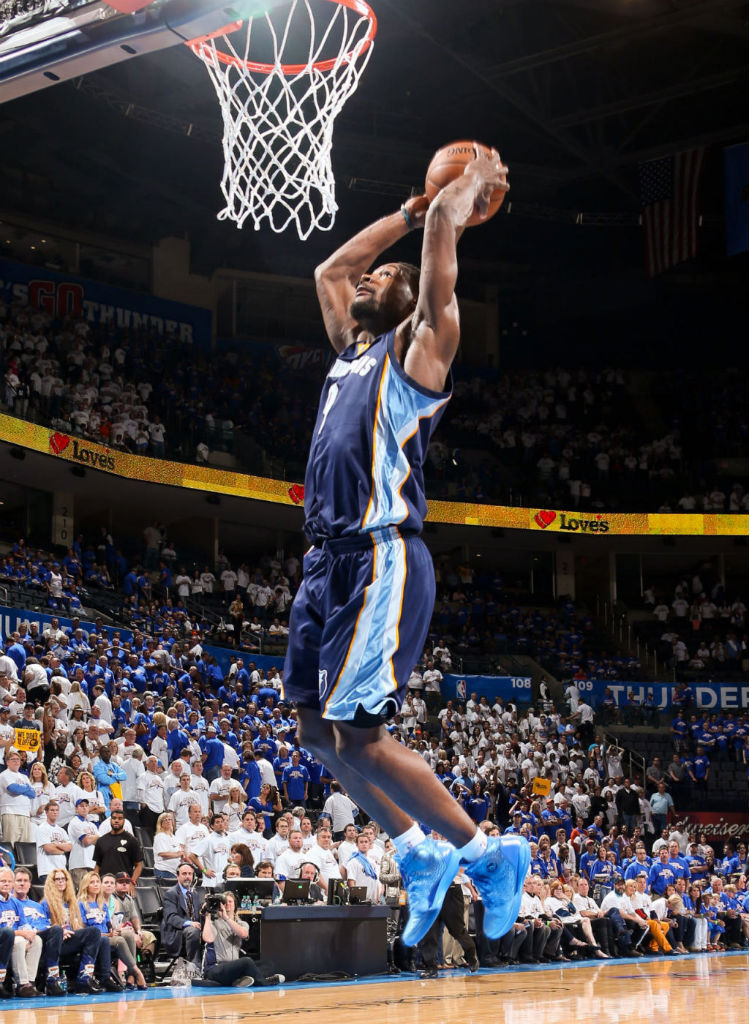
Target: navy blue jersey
[[365, 468]]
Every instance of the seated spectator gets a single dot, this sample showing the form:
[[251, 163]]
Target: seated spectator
[[80, 942]]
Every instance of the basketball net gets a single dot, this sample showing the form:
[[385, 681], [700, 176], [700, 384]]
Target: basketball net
[[278, 116]]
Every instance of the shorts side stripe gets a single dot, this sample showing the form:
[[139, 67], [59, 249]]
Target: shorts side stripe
[[356, 628]]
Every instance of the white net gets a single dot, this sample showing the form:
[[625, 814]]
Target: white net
[[279, 114]]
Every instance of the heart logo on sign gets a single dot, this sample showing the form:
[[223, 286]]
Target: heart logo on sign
[[545, 518], [59, 442], [296, 493]]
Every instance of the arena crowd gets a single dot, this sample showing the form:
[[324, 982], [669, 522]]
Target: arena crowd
[[568, 438], [155, 769]]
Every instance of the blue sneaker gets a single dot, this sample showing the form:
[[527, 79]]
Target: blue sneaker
[[427, 871], [499, 875]]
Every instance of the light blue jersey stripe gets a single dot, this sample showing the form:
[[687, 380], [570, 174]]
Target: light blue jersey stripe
[[400, 410]]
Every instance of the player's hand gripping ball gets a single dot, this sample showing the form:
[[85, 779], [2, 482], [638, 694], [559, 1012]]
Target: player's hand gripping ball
[[450, 162]]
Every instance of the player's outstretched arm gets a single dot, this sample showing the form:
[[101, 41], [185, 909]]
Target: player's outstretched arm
[[435, 327], [337, 277]]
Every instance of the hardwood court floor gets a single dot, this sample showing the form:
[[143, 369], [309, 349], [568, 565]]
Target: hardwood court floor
[[702, 989]]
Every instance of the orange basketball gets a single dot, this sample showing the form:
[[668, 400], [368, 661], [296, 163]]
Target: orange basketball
[[449, 163]]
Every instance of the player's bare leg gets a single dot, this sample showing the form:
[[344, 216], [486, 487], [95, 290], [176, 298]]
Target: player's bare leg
[[368, 761]]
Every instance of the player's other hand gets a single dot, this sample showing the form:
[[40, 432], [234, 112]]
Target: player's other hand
[[491, 175], [416, 208]]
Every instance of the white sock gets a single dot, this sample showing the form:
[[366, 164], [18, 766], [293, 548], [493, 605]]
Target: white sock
[[475, 848], [405, 843]]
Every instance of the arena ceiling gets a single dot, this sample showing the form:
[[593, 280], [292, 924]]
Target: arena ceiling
[[574, 93]]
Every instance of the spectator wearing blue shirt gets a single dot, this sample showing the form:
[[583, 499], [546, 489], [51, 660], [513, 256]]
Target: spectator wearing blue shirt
[[679, 864], [699, 772], [213, 754], [680, 731], [600, 870], [640, 865], [683, 698], [697, 864], [315, 789], [296, 781], [738, 862], [106, 774], [16, 652], [226, 735], [250, 776], [281, 762], [516, 826], [662, 873], [265, 805], [588, 856], [176, 739], [477, 803], [550, 819]]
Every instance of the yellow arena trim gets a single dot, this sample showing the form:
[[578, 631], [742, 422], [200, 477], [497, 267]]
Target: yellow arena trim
[[203, 478]]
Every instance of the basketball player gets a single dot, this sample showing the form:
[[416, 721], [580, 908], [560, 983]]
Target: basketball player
[[361, 615]]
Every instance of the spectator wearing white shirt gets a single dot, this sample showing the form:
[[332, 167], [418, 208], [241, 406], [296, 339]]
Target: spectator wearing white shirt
[[66, 794], [208, 580], [192, 836], [361, 869], [16, 800], [151, 794], [200, 785], [214, 852], [415, 682], [218, 794], [279, 841], [288, 861], [432, 678], [661, 612], [324, 856], [182, 799], [159, 746], [247, 833], [52, 843], [183, 583], [167, 851], [102, 702], [83, 835], [228, 580]]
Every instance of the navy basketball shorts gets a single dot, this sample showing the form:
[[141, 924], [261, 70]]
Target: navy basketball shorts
[[358, 625]]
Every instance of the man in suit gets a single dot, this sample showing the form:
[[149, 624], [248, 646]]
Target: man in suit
[[181, 918]]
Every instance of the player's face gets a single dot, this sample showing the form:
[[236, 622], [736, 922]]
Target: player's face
[[383, 298]]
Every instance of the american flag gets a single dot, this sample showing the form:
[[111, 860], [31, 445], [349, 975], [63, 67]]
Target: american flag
[[669, 191]]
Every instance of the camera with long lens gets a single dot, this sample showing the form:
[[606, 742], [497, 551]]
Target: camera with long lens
[[213, 904]]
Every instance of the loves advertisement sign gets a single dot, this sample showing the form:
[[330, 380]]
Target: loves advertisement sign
[[87, 454], [571, 522]]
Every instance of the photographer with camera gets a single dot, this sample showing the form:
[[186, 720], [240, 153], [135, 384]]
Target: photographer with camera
[[223, 935]]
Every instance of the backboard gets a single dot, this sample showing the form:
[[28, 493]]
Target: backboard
[[43, 42]]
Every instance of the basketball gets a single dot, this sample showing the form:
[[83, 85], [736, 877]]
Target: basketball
[[449, 163]]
